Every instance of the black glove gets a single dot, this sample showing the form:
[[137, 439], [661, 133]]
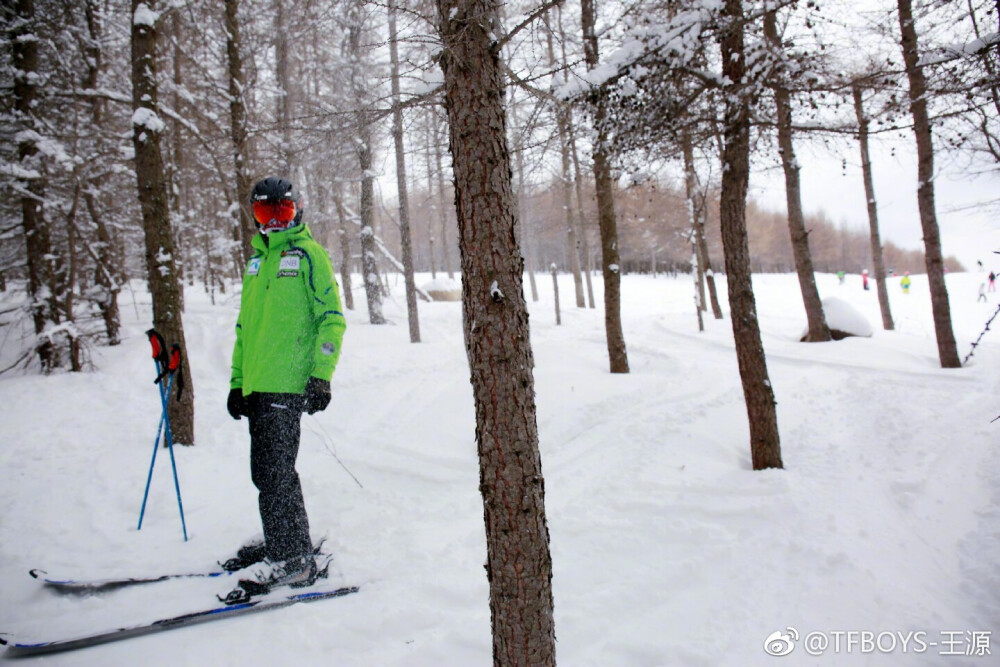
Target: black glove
[[236, 404], [317, 395]]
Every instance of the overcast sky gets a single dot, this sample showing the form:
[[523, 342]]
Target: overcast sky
[[970, 228]]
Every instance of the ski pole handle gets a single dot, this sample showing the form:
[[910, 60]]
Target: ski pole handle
[[174, 366], [159, 349]]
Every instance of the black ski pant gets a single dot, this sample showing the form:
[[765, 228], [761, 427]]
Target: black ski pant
[[275, 427]]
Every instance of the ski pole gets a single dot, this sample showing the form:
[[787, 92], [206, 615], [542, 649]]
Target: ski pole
[[169, 366], [156, 446], [174, 369], [159, 350]]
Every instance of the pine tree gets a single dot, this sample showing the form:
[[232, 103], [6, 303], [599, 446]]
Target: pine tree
[[164, 283], [495, 317]]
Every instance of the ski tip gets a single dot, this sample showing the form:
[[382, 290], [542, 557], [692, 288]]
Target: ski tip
[[3, 642], [36, 573]]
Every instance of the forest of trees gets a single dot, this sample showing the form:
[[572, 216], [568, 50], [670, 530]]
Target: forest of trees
[[306, 89], [603, 137]]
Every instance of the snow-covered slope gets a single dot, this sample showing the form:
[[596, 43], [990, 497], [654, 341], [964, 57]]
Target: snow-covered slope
[[667, 548]]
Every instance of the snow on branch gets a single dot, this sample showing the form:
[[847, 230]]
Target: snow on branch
[[951, 52], [146, 118], [677, 40]]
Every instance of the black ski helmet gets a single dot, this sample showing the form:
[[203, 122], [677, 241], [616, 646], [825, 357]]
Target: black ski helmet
[[274, 188]]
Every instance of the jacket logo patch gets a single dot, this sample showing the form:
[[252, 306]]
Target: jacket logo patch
[[328, 348], [253, 268], [289, 263]]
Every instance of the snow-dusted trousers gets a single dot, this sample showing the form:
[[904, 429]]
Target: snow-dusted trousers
[[275, 427]]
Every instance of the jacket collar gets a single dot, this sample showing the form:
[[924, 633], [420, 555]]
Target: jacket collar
[[282, 239]]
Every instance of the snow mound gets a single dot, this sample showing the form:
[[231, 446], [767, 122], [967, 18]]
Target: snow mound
[[844, 320], [444, 289]]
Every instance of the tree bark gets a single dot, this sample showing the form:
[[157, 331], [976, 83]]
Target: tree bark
[[345, 248], [238, 128], [404, 203], [940, 307], [495, 317], [566, 176], [369, 262], [690, 184], [41, 295], [611, 267], [765, 445], [577, 176], [526, 239], [282, 70], [160, 263], [107, 274], [878, 264], [441, 199], [819, 332]]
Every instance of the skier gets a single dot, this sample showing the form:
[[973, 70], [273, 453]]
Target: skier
[[905, 282], [840, 277], [982, 292], [993, 279], [864, 279], [288, 337]]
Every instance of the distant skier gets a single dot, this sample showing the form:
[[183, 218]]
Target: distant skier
[[864, 279], [905, 282], [288, 337], [982, 292], [993, 281], [840, 277]]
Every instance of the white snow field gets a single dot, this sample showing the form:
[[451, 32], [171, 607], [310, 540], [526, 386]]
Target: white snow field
[[880, 536]]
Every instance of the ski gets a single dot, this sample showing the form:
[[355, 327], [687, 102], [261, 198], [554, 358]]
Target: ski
[[94, 585], [184, 620], [247, 555]]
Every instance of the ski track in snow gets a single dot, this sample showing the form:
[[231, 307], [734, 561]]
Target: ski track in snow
[[667, 549]]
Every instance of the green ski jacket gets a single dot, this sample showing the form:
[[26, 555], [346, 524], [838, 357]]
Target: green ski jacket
[[290, 324]]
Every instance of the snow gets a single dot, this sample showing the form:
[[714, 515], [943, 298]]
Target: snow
[[144, 15], [442, 284], [147, 118], [842, 316], [667, 548]]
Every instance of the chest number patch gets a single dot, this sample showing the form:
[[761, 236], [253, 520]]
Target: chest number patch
[[289, 266]]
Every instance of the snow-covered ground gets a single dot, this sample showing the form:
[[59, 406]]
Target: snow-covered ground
[[667, 548]]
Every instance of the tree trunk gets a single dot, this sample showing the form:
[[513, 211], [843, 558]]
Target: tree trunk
[[369, 262], [282, 70], [495, 317], [566, 177], [577, 176], [878, 264], [162, 275], [41, 296], [526, 239], [442, 205], [345, 249], [404, 204], [107, 272], [765, 446], [690, 184], [429, 140], [238, 127], [947, 349], [611, 268], [819, 332], [706, 262]]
